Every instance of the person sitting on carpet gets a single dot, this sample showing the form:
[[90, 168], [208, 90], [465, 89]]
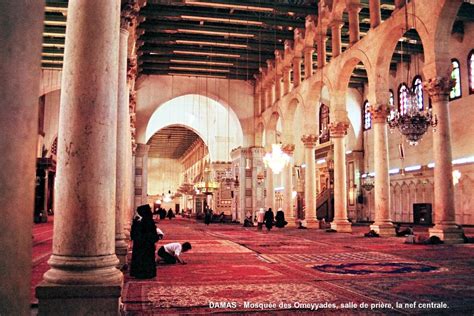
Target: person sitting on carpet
[[280, 219], [403, 233], [371, 233], [170, 253], [248, 221], [260, 218], [269, 219], [144, 236]]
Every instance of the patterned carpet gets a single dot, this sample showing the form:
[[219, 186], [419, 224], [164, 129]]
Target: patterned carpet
[[235, 270]]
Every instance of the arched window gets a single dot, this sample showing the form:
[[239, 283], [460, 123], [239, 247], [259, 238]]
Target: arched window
[[323, 123], [456, 75], [470, 69], [418, 91], [367, 116], [403, 98], [391, 100]]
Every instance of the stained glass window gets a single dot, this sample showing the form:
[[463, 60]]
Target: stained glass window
[[323, 123], [470, 62], [403, 98], [367, 116], [456, 75], [418, 91]]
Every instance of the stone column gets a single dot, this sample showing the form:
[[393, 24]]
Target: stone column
[[263, 99], [354, 34], [123, 135], [310, 142], [83, 278], [375, 15], [383, 223], [444, 208], [286, 80], [336, 37], [141, 175], [308, 62], [270, 94], [288, 183], [321, 40], [20, 62], [340, 223], [296, 71], [269, 185], [277, 88]]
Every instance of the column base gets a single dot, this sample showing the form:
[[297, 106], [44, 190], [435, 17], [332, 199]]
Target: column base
[[292, 222], [383, 229], [312, 223], [60, 299], [450, 234], [342, 226]]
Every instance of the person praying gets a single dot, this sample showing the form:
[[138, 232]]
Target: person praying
[[170, 253]]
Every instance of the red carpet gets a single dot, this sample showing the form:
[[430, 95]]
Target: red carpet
[[231, 270]]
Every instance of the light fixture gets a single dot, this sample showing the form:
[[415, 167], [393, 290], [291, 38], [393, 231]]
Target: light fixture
[[412, 121], [207, 43], [229, 6], [215, 33], [187, 52], [276, 159], [200, 62], [223, 20], [456, 176], [207, 185]]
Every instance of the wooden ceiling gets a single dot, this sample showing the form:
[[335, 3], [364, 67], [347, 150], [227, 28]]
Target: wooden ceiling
[[171, 142], [224, 38]]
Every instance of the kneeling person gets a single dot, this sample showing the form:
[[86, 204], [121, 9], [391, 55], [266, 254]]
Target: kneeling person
[[170, 252]]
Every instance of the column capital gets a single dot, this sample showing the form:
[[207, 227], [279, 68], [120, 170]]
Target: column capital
[[142, 149], [439, 87], [288, 149], [354, 7], [129, 14], [309, 140], [308, 49], [380, 112], [336, 24], [297, 59], [338, 129], [132, 68]]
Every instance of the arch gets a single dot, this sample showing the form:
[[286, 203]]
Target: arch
[[288, 120], [197, 113], [357, 56], [389, 40], [316, 87]]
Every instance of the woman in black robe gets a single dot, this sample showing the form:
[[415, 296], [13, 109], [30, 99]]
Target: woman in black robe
[[144, 236], [280, 219], [268, 219]]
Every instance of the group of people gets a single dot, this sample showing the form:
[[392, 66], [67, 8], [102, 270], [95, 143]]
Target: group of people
[[269, 219], [144, 235], [162, 213]]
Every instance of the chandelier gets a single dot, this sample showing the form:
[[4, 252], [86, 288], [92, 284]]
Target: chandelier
[[414, 123], [277, 159], [207, 185], [367, 181]]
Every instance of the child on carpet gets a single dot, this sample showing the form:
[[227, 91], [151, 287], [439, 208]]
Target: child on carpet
[[170, 253]]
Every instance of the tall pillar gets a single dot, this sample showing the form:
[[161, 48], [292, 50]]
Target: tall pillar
[[310, 142], [83, 278], [383, 223], [375, 14], [340, 223], [263, 99], [277, 88], [321, 40], [354, 33], [270, 95], [308, 62], [288, 183], [20, 62], [444, 208], [336, 37], [123, 136], [141, 175], [286, 80], [269, 186], [296, 71]]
